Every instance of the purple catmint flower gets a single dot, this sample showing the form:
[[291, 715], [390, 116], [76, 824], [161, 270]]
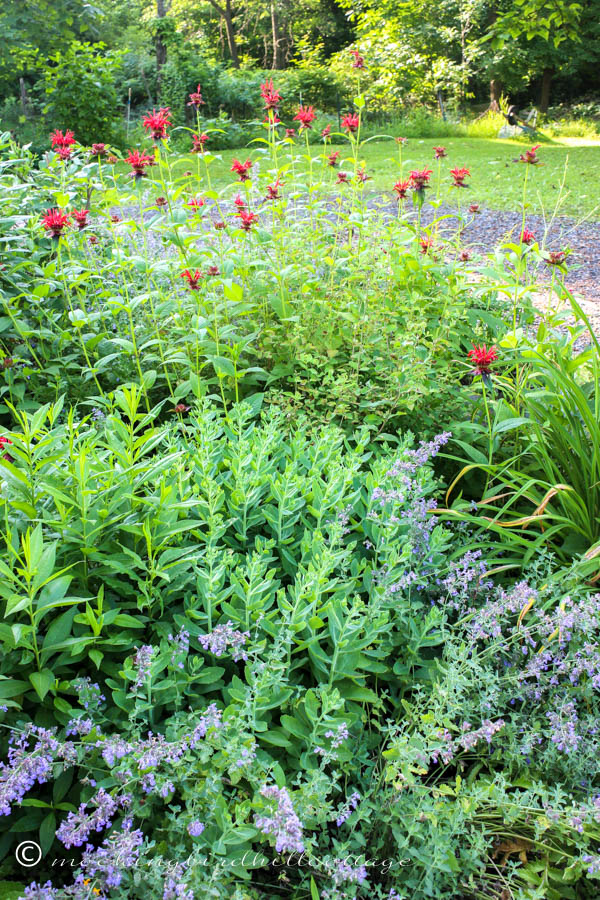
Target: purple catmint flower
[[142, 662], [488, 729], [592, 862], [224, 636], [79, 726], [284, 825], [195, 828], [465, 741], [339, 736], [180, 644], [343, 872], [211, 718], [77, 827], [37, 891], [28, 765], [148, 783], [174, 887], [411, 460], [156, 750], [118, 852], [246, 756], [89, 693], [166, 789], [347, 808], [564, 728]]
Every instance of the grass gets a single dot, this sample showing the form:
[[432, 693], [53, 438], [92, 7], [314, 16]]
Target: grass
[[495, 180]]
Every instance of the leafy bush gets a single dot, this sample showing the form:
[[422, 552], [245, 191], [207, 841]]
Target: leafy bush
[[77, 91]]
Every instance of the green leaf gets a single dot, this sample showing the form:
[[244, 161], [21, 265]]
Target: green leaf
[[47, 832], [42, 682]]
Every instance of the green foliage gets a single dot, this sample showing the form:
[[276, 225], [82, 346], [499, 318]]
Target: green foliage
[[238, 623], [544, 413], [77, 91], [32, 30]]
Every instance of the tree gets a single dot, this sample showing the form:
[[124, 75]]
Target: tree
[[226, 12], [33, 29], [161, 47]]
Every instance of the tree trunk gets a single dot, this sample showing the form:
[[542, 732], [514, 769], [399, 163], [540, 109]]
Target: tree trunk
[[161, 48], [545, 93], [226, 14], [24, 99], [495, 92], [278, 56]]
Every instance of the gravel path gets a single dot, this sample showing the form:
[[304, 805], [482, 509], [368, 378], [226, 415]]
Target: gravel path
[[490, 227]]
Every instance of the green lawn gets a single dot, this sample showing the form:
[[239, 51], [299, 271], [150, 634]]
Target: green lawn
[[496, 181]]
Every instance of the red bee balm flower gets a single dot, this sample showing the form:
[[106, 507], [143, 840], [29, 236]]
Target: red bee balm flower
[[401, 188], [530, 156], [98, 150], [326, 131], [289, 132], [305, 115], [198, 142], [401, 140], [474, 208], [527, 236], [273, 190], [81, 217], [180, 408], [440, 152], [465, 255], [3, 442], [483, 358], [196, 203], [247, 219], [333, 158], [58, 139], [193, 279], [362, 176], [426, 244], [271, 97], [556, 257], [242, 169], [342, 178], [139, 162], [196, 98], [419, 179], [157, 122], [64, 153], [212, 271], [56, 221], [458, 177], [359, 62], [351, 122], [239, 202]]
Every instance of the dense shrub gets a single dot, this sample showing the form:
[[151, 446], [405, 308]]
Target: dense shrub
[[77, 91]]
